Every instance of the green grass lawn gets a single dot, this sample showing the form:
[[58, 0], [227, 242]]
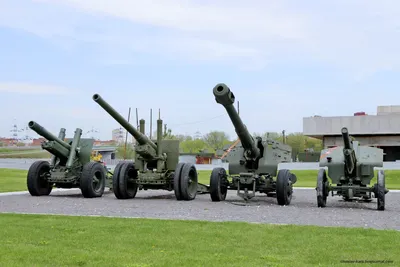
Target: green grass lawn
[[12, 180], [39, 240], [21, 150], [23, 153], [32, 154], [15, 180]]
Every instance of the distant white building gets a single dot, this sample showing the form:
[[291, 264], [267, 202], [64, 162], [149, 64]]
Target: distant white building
[[381, 130], [118, 135]]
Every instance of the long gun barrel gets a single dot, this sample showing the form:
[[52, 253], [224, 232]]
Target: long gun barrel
[[140, 138], [225, 97], [346, 138], [348, 151], [55, 145], [49, 136]]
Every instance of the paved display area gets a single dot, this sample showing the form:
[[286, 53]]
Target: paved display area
[[163, 205]]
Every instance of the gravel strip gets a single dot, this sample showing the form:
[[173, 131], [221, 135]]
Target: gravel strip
[[261, 209]]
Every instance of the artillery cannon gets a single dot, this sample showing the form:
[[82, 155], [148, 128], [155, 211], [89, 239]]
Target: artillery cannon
[[252, 163], [69, 167], [156, 164], [351, 168]]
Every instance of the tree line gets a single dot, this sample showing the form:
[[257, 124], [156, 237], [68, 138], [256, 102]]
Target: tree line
[[217, 140]]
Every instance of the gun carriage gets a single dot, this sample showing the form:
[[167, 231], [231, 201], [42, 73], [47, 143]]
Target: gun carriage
[[252, 163], [351, 168], [156, 164], [70, 165]]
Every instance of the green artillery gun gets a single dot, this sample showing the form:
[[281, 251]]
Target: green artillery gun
[[70, 165], [252, 163], [156, 165], [351, 168]]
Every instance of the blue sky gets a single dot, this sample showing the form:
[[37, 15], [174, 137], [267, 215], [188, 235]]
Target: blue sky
[[283, 60]]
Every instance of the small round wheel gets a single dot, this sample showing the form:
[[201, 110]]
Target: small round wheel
[[177, 181], [188, 181], [380, 190], [127, 181], [284, 189], [93, 180], [322, 190], [218, 184], [36, 180]]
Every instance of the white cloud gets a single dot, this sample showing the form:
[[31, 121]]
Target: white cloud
[[29, 88], [359, 35], [228, 19]]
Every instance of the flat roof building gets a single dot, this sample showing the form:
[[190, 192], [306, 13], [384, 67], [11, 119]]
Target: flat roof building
[[380, 130]]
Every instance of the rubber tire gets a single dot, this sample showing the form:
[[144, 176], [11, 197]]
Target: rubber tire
[[86, 182], [217, 191], [322, 195], [36, 187], [115, 179], [127, 172], [283, 186], [177, 181], [187, 169], [380, 188]]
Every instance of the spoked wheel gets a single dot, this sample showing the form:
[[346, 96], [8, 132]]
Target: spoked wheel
[[322, 188], [218, 184], [127, 181], [36, 179], [380, 190], [93, 180], [284, 188], [188, 181]]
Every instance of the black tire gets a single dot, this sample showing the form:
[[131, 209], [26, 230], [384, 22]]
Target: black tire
[[37, 185], [127, 187], [218, 184], [93, 180], [380, 190], [321, 188], [177, 181], [188, 181], [115, 179], [284, 189]]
